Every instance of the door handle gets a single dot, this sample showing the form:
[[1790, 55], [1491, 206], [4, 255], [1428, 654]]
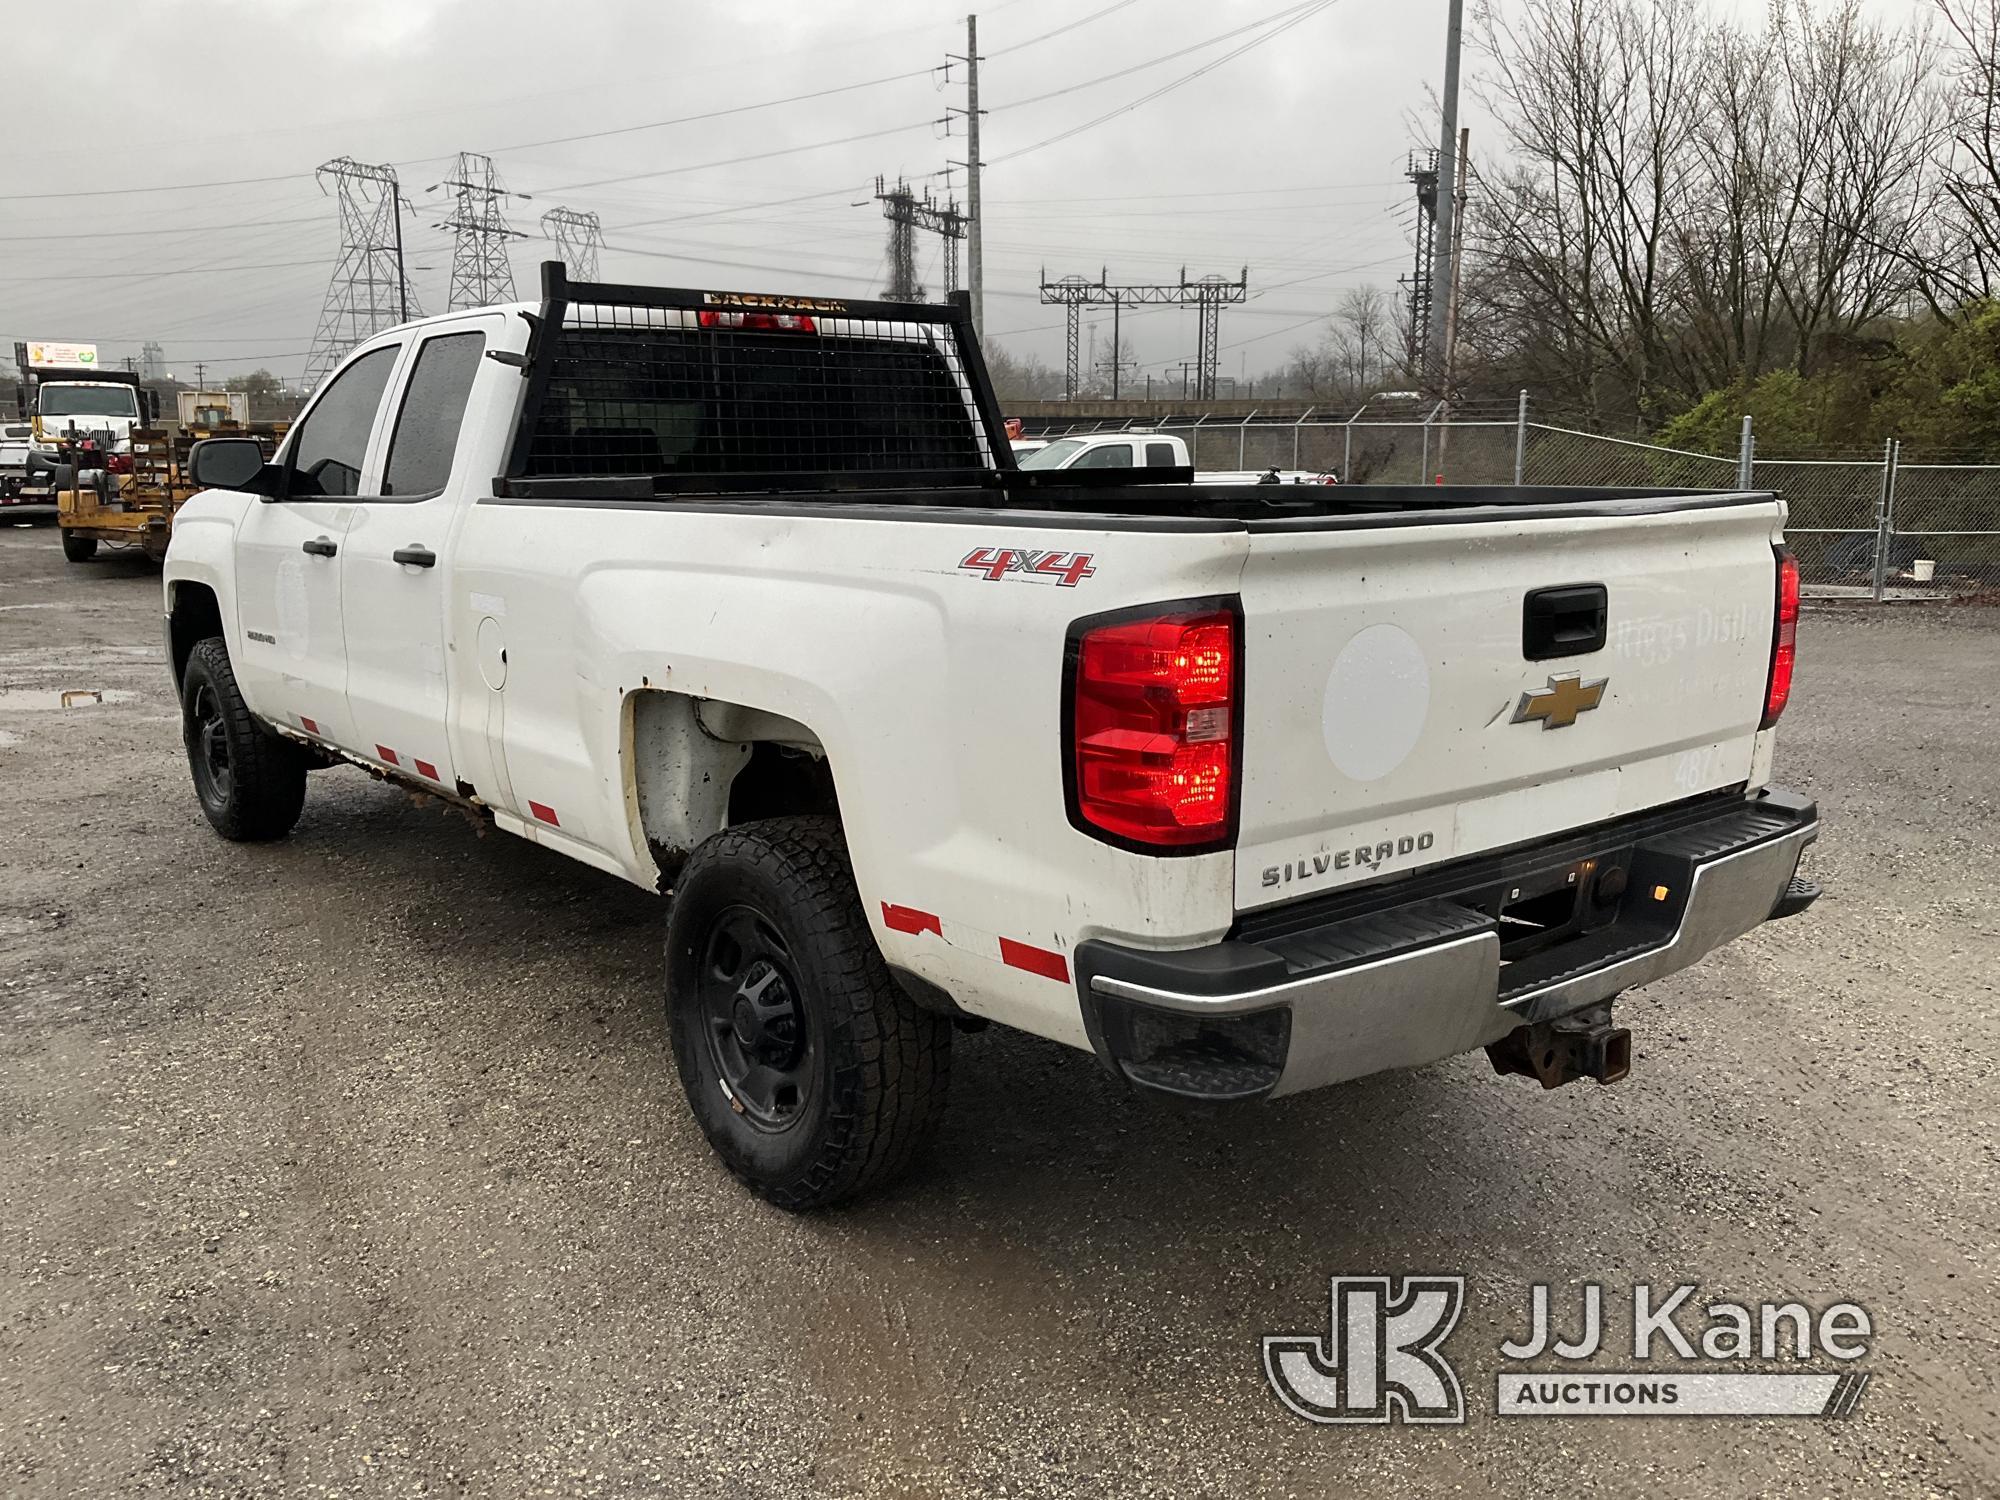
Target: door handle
[[320, 546], [417, 555]]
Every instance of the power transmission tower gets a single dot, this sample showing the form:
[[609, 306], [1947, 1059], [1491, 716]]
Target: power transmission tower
[[578, 236], [1420, 283], [370, 288], [481, 272], [907, 213], [1207, 295]]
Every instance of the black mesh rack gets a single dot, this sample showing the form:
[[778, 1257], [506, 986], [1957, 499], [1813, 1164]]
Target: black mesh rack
[[644, 391]]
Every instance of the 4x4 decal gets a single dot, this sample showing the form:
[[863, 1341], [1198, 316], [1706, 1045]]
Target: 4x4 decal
[[1064, 569]]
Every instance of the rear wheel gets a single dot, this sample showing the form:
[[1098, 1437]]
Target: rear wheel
[[812, 1074], [78, 548], [251, 783]]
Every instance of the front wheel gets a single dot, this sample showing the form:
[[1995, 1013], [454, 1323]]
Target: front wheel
[[251, 783], [78, 548], [812, 1074]]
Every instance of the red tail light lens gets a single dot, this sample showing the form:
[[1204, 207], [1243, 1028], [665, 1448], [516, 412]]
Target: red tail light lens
[[764, 322], [1153, 729], [1784, 639]]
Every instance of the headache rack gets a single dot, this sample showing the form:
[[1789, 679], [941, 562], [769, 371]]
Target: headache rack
[[640, 392]]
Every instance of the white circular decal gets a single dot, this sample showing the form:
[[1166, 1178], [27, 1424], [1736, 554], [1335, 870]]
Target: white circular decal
[[1377, 698]]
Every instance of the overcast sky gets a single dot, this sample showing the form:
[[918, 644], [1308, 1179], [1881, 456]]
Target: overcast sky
[[1287, 158]]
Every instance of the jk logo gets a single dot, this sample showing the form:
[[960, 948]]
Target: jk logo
[[1381, 1362]]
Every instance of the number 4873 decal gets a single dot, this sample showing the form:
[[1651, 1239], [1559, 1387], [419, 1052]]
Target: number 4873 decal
[[1063, 569]]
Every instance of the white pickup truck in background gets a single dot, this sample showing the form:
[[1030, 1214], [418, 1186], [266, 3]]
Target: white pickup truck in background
[[1247, 790], [1139, 448]]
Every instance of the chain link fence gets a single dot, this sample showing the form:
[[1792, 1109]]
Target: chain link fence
[[1870, 527]]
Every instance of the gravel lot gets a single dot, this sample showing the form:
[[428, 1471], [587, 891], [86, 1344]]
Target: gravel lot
[[356, 1164]]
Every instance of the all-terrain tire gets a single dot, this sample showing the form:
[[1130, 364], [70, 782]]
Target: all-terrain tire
[[769, 911], [78, 548], [251, 783]]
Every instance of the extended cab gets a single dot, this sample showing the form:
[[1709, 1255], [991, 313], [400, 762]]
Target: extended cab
[[1244, 790]]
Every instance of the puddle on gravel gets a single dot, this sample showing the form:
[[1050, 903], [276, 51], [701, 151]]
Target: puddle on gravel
[[8, 741], [17, 700]]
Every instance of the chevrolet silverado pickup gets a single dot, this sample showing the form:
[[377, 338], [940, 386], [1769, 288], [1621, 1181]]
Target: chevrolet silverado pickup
[[1246, 790]]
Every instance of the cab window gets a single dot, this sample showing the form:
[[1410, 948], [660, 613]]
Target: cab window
[[333, 439], [1159, 455], [1110, 456], [426, 433]]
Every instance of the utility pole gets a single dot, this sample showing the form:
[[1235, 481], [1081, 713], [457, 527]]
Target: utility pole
[[1447, 172], [402, 274], [200, 376], [1117, 352], [975, 267], [1449, 370]]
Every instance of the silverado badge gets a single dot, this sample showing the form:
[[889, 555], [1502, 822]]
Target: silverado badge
[[1558, 704]]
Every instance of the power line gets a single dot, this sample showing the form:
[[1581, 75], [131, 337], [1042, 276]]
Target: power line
[[734, 161], [1297, 15], [1096, 15], [271, 265], [716, 114], [121, 234], [175, 187], [1154, 62]]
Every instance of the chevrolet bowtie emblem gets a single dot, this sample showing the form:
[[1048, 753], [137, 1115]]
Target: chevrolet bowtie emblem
[[1558, 704]]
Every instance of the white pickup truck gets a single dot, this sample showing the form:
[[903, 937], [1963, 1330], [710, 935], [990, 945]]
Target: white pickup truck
[[742, 596], [1141, 448]]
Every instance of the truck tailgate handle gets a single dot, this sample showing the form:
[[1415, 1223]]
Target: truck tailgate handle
[[417, 555], [1566, 621], [320, 546]]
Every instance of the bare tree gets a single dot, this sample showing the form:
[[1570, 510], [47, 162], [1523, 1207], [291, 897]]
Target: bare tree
[[1355, 351], [1960, 256], [1686, 204]]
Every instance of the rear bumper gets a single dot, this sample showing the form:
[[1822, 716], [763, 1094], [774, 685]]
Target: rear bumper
[[1447, 961]]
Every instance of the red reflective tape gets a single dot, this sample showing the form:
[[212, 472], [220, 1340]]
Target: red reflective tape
[[308, 725], [909, 919], [543, 811], [383, 752], [1035, 960], [426, 769]]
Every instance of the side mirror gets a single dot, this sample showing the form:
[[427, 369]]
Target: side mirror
[[233, 464]]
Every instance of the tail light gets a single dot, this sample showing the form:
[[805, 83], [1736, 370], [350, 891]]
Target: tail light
[[1784, 639], [119, 463], [766, 322], [1153, 709]]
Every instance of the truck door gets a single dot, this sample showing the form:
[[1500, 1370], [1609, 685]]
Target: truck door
[[291, 659], [393, 573]]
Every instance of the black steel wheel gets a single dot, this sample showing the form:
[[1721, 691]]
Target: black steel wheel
[[811, 1072], [251, 783], [760, 1041], [208, 745]]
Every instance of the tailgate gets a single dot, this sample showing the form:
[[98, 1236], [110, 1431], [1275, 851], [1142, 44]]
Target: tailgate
[[1385, 670]]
